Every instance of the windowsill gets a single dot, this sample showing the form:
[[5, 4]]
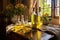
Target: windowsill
[[56, 17], [55, 21]]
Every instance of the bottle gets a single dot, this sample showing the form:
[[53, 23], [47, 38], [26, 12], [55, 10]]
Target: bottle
[[22, 19], [33, 17], [18, 20], [39, 26], [39, 22]]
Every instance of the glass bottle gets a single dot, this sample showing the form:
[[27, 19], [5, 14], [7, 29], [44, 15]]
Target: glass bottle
[[22, 19], [33, 21], [18, 20], [39, 22], [33, 17], [39, 26]]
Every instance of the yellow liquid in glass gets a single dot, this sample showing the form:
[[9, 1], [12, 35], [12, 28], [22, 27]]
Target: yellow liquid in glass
[[32, 18]]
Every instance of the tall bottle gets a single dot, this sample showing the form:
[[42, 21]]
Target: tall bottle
[[39, 25], [39, 22], [33, 21]]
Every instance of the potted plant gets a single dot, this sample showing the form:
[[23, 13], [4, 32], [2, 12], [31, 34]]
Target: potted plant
[[11, 10], [20, 9]]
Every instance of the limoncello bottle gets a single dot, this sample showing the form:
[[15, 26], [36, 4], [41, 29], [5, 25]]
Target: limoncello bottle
[[33, 22], [33, 17], [39, 26]]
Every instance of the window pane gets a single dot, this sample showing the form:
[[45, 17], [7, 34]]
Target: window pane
[[49, 3], [56, 7], [57, 12], [45, 3], [45, 6], [41, 3], [56, 3]]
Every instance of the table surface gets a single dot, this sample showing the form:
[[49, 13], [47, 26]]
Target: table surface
[[29, 33]]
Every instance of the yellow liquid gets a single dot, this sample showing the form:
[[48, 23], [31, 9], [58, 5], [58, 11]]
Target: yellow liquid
[[39, 26], [32, 18]]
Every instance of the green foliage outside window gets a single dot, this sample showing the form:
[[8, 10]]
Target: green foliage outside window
[[45, 7]]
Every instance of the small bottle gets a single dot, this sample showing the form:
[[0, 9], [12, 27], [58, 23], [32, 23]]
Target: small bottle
[[18, 20], [26, 21], [22, 19]]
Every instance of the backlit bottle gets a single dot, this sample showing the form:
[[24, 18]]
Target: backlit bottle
[[39, 25], [33, 17]]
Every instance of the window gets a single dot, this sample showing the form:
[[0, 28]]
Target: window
[[45, 6], [49, 6], [56, 7]]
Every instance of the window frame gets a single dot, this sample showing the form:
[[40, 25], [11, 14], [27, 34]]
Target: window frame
[[54, 8]]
